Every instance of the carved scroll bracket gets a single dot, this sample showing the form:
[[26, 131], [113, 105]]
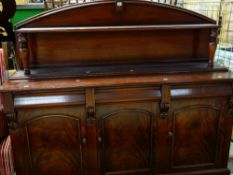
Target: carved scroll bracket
[[230, 104], [165, 101], [90, 139], [212, 45], [8, 106], [12, 120], [230, 109], [23, 52], [90, 113], [90, 104]]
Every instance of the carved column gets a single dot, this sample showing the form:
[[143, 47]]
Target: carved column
[[11, 120], [91, 133], [23, 52], [212, 46]]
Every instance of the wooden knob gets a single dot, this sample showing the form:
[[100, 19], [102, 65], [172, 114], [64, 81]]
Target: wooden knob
[[170, 133], [99, 138], [84, 140]]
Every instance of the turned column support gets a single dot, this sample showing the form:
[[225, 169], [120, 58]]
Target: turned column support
[[212, 46], [23, 52]]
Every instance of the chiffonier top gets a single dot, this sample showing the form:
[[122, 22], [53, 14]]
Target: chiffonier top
[[113, 37], [115, 43]]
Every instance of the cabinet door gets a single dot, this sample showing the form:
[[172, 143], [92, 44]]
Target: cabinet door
[[127, 138], [48, 141], [195, 126]]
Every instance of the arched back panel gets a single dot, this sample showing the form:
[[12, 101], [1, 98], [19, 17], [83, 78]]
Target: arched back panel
[[105, 13], [109, 32]]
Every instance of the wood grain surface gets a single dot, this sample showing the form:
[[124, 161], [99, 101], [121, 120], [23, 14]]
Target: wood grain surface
[[119, 88], [52, 138]]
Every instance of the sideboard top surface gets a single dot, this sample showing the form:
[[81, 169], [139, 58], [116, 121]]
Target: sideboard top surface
[[100, 82]]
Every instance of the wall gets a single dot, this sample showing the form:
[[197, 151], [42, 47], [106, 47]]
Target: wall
[[23, 13], [21, 2], [214, 9]]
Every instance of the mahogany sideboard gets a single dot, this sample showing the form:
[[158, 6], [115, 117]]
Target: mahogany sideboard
[[119, 88]]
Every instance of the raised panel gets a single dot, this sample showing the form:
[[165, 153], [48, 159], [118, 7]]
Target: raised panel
[[127, 142], [195, 136], [54, 145]]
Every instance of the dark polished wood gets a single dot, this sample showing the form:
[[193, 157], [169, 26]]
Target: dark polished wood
[[23, 52], [124, 129], [44, 151], [119, 88], [117, 37]]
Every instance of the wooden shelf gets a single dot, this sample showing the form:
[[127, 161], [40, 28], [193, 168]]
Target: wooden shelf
[[117, 70], [116, 28]]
